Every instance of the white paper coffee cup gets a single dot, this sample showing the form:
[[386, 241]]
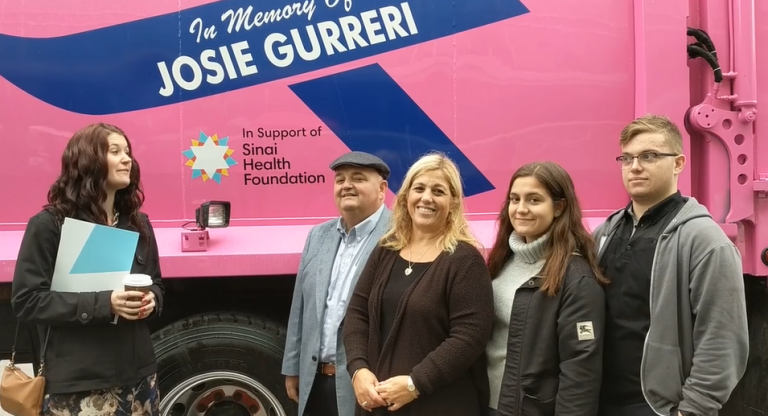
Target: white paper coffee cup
[[137, 283]]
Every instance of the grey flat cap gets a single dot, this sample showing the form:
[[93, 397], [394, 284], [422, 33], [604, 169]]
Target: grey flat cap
[[362, 159]]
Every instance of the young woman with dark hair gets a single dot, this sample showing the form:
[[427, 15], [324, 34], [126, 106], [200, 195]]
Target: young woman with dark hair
[[545, 354], [92, 366]]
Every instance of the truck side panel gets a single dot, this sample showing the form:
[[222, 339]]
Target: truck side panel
[[526, 81]]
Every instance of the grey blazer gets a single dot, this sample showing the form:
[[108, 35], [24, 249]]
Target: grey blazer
[[305, 326]]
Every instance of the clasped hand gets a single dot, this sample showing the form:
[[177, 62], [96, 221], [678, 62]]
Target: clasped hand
[[392, 393], [125, 304], [395, 392]]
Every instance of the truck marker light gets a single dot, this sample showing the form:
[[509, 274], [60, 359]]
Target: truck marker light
[[210, 214]]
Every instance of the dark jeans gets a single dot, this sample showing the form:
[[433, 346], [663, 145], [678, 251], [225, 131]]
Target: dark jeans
[[639, 409], [322, 398]]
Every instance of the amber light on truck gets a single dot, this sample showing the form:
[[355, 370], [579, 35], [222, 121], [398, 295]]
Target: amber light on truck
[[211, 214]]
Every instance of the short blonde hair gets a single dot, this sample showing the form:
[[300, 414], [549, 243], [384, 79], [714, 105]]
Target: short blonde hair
[[652, 123], [457, 227]]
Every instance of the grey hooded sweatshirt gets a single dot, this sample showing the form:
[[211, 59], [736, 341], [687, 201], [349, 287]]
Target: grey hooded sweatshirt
[[697, 345]]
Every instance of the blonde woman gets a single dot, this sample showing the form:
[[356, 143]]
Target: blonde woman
[[422, 311]]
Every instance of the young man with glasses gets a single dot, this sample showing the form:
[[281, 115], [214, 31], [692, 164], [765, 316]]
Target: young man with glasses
[[676, 338]]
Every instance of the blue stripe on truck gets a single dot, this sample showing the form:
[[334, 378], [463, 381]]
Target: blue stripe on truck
[[370, 112]]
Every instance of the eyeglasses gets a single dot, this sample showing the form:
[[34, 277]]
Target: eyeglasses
[[647, 159]]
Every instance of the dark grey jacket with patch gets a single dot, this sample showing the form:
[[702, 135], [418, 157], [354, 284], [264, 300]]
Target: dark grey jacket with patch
[[555, 347]]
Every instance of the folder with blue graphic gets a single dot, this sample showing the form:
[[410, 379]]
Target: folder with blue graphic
[[92, 257]]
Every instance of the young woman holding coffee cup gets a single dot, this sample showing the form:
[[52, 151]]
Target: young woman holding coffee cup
[[93, 365]]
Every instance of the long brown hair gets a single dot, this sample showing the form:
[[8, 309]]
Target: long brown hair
[[567, 232], [80, 190]]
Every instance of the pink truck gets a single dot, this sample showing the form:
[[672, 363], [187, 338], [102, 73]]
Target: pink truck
[[247, 102]]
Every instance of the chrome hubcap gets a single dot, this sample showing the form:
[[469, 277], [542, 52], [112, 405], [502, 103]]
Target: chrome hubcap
[[220, 393]]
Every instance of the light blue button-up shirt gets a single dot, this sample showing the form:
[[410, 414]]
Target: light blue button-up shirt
[[348, 260]]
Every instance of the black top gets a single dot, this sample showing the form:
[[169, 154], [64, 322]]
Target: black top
[[396, 286], [85, 351], [627, 263]]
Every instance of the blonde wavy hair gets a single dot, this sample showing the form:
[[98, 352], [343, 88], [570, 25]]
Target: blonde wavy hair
[[457, 228]]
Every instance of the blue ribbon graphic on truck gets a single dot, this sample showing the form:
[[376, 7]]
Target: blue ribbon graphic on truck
[[224, 46], [398, 132]]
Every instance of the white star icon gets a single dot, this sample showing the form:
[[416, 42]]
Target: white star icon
[[209, 157]]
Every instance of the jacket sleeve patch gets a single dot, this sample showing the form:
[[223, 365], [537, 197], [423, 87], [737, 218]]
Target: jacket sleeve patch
[[585, 331]]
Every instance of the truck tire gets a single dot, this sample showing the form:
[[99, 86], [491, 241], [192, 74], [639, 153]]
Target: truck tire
[[222, 364]]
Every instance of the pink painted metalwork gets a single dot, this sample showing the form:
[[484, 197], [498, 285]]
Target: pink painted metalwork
[[556, 83]]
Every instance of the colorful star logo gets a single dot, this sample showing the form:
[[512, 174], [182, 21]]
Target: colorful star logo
[[209, 157]]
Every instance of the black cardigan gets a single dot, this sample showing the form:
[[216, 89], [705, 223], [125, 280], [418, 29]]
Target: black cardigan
[[440, 332]]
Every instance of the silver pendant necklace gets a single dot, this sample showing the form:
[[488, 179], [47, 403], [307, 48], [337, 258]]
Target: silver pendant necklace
[[409, 270]]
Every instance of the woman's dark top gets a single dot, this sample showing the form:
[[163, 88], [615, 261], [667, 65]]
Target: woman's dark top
[[85, 351], [396, 286], [442, 325]]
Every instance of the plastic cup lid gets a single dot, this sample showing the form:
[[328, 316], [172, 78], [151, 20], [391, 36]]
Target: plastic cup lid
[[137, 280]]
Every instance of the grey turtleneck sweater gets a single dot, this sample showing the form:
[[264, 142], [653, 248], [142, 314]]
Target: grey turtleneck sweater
[[527, 261]]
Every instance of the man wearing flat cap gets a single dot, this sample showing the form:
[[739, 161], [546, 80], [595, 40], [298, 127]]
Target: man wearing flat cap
[[335, 253]]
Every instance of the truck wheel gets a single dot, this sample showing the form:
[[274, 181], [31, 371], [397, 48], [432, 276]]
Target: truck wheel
[[222, 365]]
